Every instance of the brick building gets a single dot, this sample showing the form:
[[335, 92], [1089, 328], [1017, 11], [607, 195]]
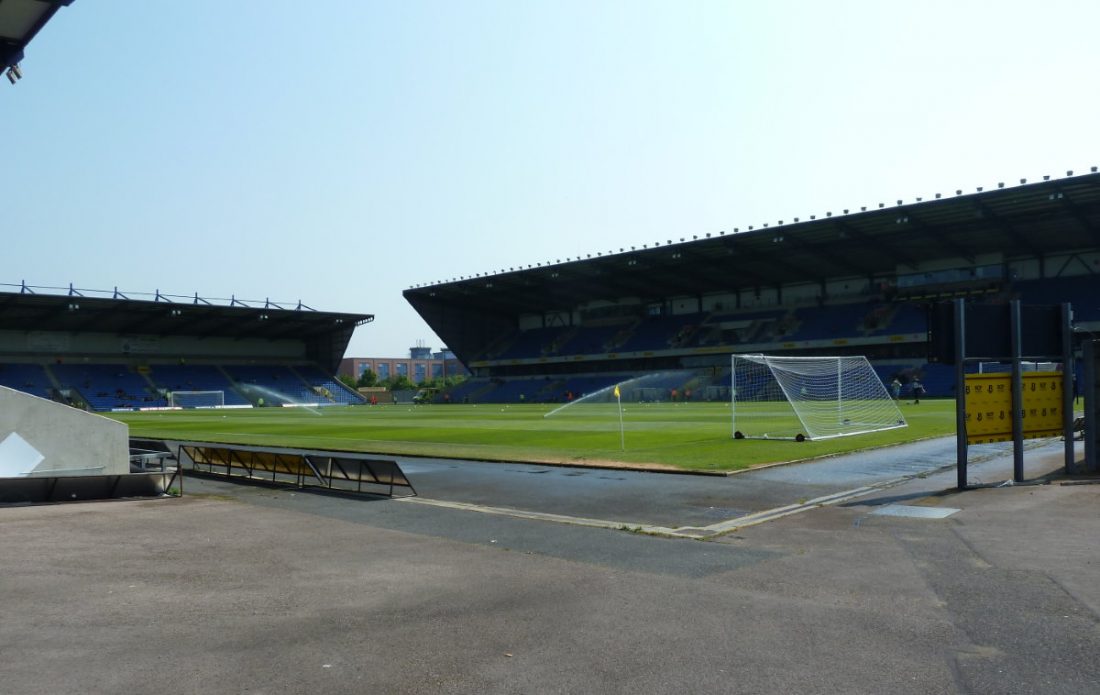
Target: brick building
[[420, 365]]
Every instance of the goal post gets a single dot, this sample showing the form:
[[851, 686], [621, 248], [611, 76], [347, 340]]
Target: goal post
[[196, 399], [808, 398]]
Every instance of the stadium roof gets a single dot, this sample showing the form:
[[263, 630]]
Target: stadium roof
[[327, 332], [20, 21], [1025, 220]]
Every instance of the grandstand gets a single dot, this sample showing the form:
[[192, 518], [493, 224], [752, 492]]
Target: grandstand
[[107, 351], [849, 282], [20, 22]]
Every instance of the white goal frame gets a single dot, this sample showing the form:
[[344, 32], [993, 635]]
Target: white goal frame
[[811, 398], [218, 395]]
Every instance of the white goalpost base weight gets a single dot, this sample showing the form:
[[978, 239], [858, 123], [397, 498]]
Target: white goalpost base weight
[[808, 398]]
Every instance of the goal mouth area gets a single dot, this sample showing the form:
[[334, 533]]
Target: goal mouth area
[[195, 400], [812, 397]]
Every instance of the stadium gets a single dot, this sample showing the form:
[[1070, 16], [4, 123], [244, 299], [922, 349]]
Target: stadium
[[715, 461], [660, 320]]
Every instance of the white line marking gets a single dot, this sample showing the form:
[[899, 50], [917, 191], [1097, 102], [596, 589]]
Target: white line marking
[[681, 532]]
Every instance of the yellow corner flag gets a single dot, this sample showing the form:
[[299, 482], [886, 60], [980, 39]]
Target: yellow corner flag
[[622, 432]]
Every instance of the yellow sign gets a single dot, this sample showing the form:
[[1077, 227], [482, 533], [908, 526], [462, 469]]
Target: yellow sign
[[988, 406]]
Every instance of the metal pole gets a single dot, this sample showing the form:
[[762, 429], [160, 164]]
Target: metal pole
[[1067, 385], [1017, 393], [839, 400], [960, 398], [733, 395], [1088, 389]]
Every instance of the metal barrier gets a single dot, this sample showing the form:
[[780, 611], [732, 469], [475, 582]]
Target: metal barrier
[[329, 470]]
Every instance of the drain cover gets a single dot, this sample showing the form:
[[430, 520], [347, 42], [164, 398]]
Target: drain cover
[[915, 512]]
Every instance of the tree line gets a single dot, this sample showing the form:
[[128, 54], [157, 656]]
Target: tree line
[[399, 382]]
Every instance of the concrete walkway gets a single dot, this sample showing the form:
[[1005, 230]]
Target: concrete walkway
[[253, 590]]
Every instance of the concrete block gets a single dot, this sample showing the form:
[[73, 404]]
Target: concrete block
[[39, 437]]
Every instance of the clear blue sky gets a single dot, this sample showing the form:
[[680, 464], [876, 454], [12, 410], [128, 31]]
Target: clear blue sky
[[338, 152]]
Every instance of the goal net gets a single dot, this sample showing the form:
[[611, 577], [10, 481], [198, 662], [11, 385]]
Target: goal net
[[808, 398], [196, 399]]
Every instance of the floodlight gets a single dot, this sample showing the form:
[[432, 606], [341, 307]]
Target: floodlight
[[958, 191], [15, 70], [1069, 173], [980, 189], [1025, 180], [1000, 184], [937, 196], [1046, 177]]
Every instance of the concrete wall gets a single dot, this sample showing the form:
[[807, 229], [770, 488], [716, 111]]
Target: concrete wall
[[40, 437]]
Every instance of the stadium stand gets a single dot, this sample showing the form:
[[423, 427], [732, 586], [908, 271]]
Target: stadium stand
[[108, 386], [275, 384], [196, 377], [318, 381], [29, 378]]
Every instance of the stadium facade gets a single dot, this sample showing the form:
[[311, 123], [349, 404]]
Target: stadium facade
[[843, 282]]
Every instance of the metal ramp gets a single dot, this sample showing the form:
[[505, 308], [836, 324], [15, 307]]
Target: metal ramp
[[342, 471]]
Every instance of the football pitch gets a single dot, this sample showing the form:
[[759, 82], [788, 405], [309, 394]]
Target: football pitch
[[684, 436]]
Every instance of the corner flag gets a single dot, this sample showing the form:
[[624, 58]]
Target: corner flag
[[622, 433]]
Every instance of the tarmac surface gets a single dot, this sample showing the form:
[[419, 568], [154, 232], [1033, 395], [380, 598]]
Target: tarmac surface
[[492, 582]]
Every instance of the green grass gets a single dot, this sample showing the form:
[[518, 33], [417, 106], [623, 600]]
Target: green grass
[[693, 436]]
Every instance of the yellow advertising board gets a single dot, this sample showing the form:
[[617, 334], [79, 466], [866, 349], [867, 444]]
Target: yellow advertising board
[[988, 403]]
